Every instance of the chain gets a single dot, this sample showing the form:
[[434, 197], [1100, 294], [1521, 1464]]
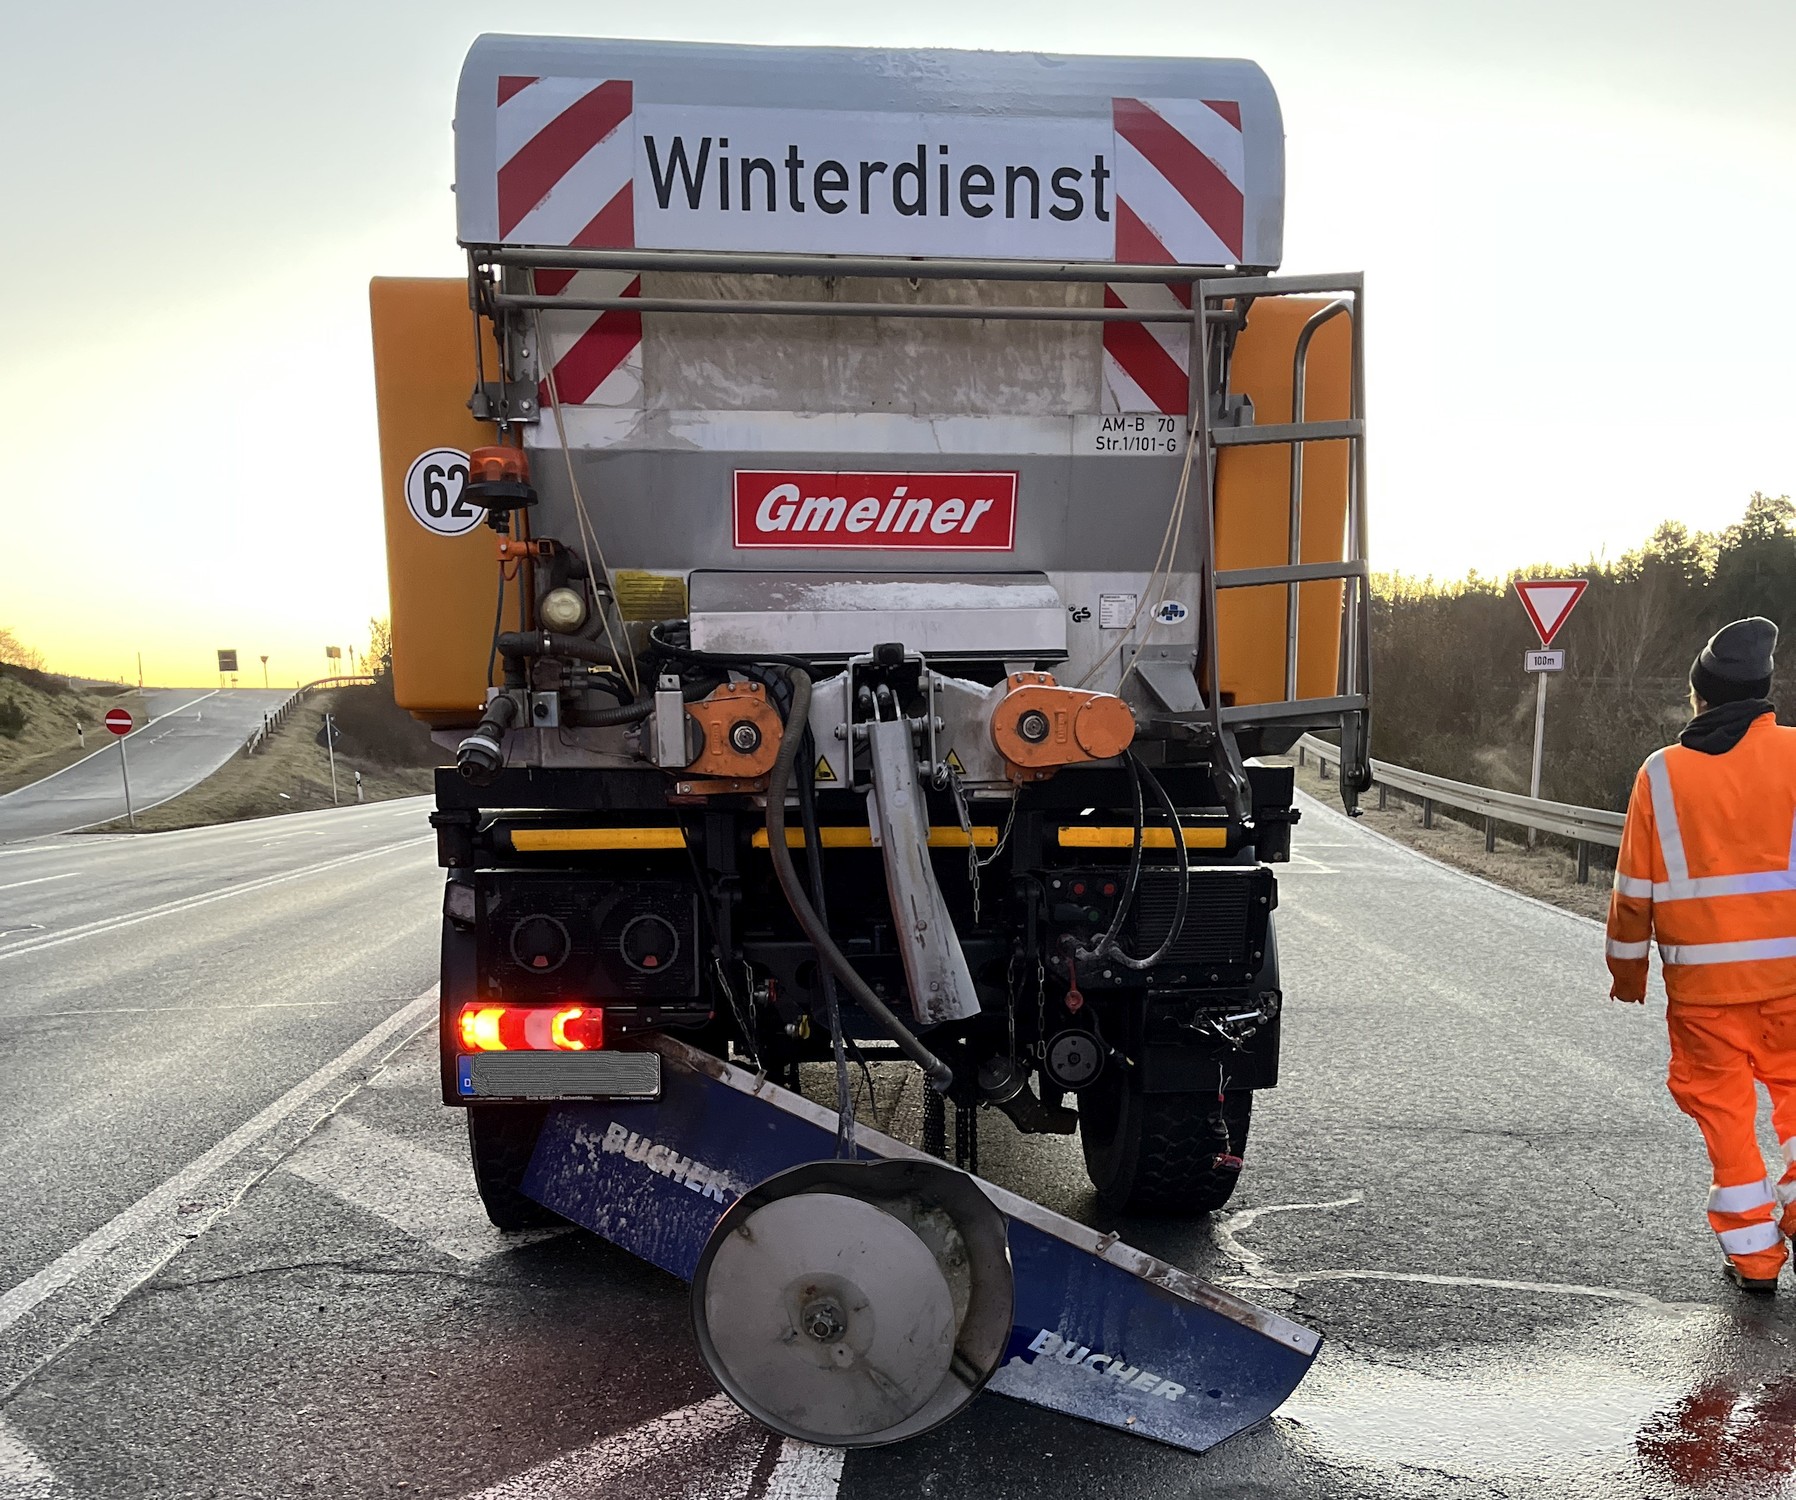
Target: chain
[[1041, 1007]]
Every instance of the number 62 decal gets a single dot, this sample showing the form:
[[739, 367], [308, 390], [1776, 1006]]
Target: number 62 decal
[[434, 492]]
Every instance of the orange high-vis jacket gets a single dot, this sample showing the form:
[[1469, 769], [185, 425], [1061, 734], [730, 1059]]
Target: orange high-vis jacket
[[1708, 866]]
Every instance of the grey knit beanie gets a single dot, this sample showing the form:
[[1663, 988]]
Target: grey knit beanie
[[1736, 663]]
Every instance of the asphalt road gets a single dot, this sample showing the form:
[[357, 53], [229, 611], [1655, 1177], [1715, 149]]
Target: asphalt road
[[261, 1269], [190, 733]]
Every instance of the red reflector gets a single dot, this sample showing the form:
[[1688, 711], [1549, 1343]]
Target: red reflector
[[531, 1028]]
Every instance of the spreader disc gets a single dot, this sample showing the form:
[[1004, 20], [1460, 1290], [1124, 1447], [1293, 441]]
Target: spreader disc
[[852, 1317]]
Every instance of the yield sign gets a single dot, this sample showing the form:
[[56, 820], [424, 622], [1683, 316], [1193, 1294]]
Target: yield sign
[[1549, 601]]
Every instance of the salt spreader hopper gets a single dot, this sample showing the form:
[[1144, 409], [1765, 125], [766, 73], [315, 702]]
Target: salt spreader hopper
[[856, 526]]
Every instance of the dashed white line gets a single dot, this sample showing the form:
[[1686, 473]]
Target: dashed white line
[[41, 880], [188, 903]]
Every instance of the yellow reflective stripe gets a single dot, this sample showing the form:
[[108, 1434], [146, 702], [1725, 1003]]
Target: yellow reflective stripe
[[1086, 837], [1665, 814], [543, 840], [1755, 950], [1633, 885], [1628, 950], [1751, 1238], [1740, 1198], [984, 837]]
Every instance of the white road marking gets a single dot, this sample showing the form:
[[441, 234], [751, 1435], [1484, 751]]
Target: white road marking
[[104, 748], [41, 880], [23, 1475], [1255, 1276], [408, 1186], [713, 1445], [805, 1472], [188, 903], [121, 1254]]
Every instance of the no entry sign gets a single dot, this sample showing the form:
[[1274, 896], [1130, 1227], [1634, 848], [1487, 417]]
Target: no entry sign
[[119, 720]]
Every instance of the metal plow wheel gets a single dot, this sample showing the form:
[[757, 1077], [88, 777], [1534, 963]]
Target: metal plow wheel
[[855, 1303]]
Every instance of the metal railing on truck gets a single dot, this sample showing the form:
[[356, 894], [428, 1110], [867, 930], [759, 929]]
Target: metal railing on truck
[[501, 281], [1584, 826]]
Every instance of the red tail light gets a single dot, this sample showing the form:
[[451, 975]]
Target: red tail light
[[531, 1028]]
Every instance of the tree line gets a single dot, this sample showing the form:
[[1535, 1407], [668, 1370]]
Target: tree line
[[1450, 696]]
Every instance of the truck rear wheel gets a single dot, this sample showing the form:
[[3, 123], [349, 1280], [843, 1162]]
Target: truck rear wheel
[[1158, 1153], [501, 1138]]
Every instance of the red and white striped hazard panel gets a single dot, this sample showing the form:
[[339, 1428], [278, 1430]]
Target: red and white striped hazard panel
[[1180, 200], [564, 145]]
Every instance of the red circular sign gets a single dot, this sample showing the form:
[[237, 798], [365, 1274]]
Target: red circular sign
[[118, 720]]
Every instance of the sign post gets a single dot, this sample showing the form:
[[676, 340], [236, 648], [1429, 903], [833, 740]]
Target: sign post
[[1548, 602], [119, 721], [264, 671], [330, 749]]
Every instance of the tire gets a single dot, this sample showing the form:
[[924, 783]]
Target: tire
[[501, 1138], [1156, 1153]]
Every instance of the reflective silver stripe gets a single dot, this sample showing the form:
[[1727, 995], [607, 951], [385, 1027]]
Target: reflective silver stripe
[[1665, 814], [1752, 1237], [1756, 884], [1736, 1200], [1633, 885], [1628, 950], [1790, 1151], [1756, 950]]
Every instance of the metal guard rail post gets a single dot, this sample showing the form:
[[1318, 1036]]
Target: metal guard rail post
[[276, 717], [1583, 825]]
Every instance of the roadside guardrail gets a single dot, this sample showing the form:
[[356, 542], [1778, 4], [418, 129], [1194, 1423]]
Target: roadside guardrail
[[1584, 826], [276, 717]]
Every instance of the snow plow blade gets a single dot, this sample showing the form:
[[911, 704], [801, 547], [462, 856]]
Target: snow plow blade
[[1099, 1330]]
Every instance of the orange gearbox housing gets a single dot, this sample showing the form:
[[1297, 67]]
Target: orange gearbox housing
[[1039, 726]]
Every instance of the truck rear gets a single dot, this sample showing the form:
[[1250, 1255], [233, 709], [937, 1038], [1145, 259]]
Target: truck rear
[[857, 526]]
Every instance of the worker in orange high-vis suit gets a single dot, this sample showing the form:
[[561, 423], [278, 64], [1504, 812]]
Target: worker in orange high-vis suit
[[1708, 867]]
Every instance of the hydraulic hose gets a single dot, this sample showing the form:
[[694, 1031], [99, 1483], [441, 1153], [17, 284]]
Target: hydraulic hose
[[939, 1074], [635, 713], [514, 643], [481, 756]]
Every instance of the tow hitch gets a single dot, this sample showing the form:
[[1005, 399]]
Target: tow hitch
[[860, 1302]]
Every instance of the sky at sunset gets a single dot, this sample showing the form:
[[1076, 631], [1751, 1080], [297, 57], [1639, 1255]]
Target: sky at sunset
[[1576, 221]]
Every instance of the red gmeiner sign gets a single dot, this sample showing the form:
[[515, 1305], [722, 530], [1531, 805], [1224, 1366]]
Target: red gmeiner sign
[[789, 509]]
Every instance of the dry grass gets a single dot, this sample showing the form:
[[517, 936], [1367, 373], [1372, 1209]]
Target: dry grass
[[46, 741], [291, 773], [1548, 872]]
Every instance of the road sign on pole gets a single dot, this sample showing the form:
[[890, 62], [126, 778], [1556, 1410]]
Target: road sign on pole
[[119, 721], [264, 671], [330, 748], [1549, 603], [227, 663]]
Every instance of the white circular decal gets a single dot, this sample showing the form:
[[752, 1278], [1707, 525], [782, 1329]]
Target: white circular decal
[[434, 488], [1170, 612]]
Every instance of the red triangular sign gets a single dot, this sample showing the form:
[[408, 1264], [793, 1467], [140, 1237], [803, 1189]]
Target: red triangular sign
[[1549, 602]]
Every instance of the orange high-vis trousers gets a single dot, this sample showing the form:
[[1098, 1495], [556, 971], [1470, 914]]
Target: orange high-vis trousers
[[1717, 1053]]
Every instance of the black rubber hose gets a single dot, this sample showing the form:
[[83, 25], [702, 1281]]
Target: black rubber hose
[[939, 1074], [481, 756], [635, 713], [513, 643]]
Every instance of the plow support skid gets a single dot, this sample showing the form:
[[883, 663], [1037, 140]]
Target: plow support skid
[[1100, 1330]]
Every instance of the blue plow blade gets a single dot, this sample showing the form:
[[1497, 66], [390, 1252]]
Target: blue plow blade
[[1100, 1330]]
